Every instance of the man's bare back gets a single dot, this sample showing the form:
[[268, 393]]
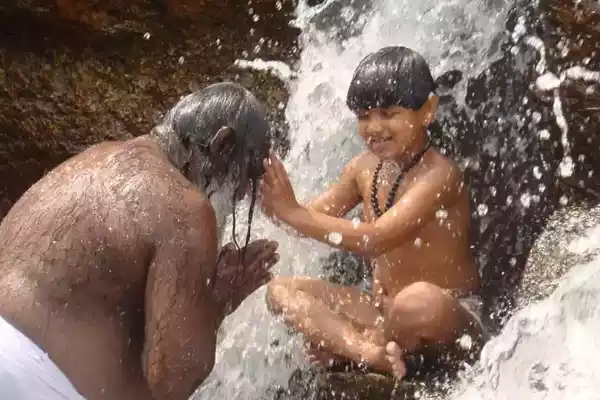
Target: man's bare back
[[74, 260], [110, 262]]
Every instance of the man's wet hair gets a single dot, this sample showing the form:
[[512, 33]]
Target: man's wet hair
[[394, 76], [196, 119]]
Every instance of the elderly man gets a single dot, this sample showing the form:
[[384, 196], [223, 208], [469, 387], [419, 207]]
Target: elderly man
[[111, 265]]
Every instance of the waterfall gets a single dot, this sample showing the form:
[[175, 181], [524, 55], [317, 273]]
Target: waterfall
[[255, 352]]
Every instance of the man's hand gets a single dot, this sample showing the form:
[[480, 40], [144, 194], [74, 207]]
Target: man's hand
[[276, 189], [235, 280]]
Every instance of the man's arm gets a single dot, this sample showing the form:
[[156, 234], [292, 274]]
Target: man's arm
[[434, 190], [181, 317], [342, 196]]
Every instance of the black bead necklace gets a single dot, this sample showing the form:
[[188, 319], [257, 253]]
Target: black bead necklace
[[392, 195]]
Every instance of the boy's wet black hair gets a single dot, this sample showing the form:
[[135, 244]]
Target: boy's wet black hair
[[197, 117], [393, 76]]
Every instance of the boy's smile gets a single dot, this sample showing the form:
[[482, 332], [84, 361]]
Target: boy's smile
[[390, 133], [378, 144]]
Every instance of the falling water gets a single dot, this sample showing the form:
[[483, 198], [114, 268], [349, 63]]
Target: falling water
[[549, 349], [255, 352]]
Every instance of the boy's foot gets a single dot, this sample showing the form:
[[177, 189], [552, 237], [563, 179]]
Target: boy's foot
[[386, 359], [394, 357]]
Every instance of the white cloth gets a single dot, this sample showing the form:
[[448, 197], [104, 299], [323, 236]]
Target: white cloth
[[26, 371]]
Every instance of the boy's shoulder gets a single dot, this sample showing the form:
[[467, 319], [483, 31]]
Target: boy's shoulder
[[363, 161], [444, 162]]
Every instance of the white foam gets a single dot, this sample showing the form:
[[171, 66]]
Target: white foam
[[278, 69]]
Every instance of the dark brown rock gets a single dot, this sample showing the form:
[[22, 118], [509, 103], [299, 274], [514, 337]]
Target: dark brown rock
[[308, 384], [509, 141], [67, 82], [572, 36]]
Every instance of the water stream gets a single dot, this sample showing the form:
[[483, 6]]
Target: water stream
[[255, 352]]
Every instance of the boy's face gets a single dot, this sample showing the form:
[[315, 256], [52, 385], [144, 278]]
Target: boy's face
[[390, 132]]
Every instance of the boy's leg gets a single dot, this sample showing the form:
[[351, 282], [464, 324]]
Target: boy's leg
[[424, 313], [335, 317]]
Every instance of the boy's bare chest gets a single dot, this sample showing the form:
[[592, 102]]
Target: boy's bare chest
[[386, 189]]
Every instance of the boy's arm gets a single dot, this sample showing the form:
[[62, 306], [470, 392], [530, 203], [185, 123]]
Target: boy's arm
[[342, 196], [433, 191]]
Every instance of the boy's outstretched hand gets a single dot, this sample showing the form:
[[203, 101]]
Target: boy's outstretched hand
[[278, 195]]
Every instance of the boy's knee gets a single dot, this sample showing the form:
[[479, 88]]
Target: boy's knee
[[418, 297], [418, 304]]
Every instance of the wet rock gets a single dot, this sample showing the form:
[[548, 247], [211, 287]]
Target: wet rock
[[571, 33], [569, 239], [509, 138], [309, 384], [74, 73]]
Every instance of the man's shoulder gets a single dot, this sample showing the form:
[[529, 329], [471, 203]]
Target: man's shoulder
[[158, 187], [185, 204]]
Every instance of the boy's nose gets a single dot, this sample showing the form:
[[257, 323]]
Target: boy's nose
[[374, 126]]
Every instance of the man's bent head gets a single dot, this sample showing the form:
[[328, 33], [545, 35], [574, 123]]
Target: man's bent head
[[218, 137]]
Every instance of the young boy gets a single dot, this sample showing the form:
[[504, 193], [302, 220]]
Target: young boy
[[417, 216]]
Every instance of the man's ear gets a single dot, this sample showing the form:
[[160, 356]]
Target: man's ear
[[428, 110], [223, 143]]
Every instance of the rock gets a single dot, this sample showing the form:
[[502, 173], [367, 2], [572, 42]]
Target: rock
[[66, 83], [509, 139], [308, 384], [569, 239]]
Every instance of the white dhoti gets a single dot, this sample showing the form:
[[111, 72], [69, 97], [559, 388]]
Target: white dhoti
[[26, 372]]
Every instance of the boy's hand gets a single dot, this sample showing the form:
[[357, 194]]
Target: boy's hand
[[277, 192]]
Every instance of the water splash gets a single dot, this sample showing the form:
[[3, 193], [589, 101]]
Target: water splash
[[255, 352], [547, 350]]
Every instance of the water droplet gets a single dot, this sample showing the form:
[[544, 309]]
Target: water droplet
[[255, 18], [278, 5], [564, 200], [513, 261], [536, 172], [147, 35], [525, 200], [181, 60], [355, 222], [465, 342], [509, 200], [482, 210], [441, 214], [544, 134], [566, 166], [418, 243]]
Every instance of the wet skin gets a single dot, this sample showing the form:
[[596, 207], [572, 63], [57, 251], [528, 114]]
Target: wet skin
[[109, 264], [419, 248]]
